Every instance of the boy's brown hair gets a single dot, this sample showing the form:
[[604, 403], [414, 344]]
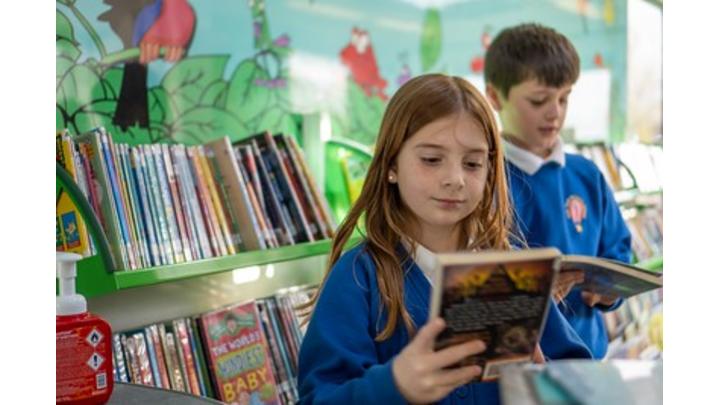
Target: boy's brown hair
[[530, 51]]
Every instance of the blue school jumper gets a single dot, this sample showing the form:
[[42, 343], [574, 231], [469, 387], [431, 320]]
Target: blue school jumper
[[572, 208], [341, 363]]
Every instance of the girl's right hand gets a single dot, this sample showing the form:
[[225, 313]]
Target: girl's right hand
[[419, 370]]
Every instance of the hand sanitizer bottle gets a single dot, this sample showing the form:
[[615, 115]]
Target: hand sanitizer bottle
[[83, 350]]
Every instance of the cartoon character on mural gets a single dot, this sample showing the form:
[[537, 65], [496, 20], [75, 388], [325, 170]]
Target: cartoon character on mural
[[477, 63], [151, 25], [405, 73], [359, 57]]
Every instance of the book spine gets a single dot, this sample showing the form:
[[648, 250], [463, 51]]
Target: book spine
[[160, 355], [74, 231], [197, 216], [259, 217], [281, 223], [177, 205], [300, 188], [324, 209], [122, 371], [95, 155], [154, 361], [171, 350], [144, 204], [204, 198], [279, 366], [128, 343], [190, 226], [167, 205], [161, 235], [195, 353], [186, 358], [232, 210], [127, 216], [216, 203], [93, 183], [287, 194], [117, 199], [134, 207]]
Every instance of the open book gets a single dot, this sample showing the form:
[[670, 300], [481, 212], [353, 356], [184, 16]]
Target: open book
[[611, 277], [499, 297]]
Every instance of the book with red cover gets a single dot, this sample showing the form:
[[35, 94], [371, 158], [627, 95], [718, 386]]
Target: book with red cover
[[238, 355]]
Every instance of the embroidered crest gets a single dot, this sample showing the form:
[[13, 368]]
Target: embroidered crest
[[576, 211]]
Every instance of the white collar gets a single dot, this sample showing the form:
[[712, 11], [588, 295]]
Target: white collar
[[424, 258], [529, 162]]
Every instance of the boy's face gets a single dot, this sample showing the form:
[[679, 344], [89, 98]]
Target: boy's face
[[441, 172], [532, 114]]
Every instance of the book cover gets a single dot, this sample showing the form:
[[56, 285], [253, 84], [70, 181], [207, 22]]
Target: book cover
[[249, 171], [268, 240], [158, 212], [223, 221], [127, 218], [239, 200], [152, 356], [122, 371], [144, 205], [186, 355], [154, 337], [188, 188], [278, 366], [136, 206], [177, 205], [211, 223], [611, 277], [167, 340], [167, 205], [73, 236], [499, 297], [238, 355]]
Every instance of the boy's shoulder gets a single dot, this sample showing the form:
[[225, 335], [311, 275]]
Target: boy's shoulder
[[580, 164]]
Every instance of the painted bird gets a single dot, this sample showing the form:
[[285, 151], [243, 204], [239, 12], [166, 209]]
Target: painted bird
[[149, 25]]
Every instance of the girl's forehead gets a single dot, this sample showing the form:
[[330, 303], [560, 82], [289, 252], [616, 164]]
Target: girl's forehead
[[460, 130]]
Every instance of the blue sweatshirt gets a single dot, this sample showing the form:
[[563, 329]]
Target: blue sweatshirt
[[341, 363], [573, 209]]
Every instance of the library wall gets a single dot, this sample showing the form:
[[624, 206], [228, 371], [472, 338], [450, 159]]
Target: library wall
[[239, 67]]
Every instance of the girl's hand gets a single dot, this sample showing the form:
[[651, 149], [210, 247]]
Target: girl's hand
[[420, 373], [565, 282]]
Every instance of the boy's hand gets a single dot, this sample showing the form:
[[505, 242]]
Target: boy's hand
[[420, 373], [591, 299], [538, 357], [565, 282]]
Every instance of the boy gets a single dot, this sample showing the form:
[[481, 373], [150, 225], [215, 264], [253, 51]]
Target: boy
[[561, 200]]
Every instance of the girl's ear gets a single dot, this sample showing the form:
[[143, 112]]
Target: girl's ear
[[392, 176], [494, 97]]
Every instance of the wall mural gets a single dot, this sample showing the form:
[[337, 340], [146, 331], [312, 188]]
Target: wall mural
[[190, 70]]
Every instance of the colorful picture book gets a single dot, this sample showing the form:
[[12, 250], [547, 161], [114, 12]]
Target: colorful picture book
[[611, 277]]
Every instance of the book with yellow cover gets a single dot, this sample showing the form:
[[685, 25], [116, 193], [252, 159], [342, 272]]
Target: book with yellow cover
[[72, 235]]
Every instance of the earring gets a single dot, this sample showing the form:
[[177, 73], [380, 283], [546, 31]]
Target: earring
[[391, 178]]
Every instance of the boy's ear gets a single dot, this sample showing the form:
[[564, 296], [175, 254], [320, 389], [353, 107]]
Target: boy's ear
[[494, 97]]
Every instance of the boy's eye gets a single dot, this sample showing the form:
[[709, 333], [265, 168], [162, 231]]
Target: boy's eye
[[537, 103]]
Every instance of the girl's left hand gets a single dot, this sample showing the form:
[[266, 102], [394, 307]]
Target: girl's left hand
[[591, 299]]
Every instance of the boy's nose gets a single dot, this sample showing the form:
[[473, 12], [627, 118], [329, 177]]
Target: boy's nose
[[553, 110]]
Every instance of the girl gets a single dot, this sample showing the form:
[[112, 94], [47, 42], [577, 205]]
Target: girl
[[436, 184]]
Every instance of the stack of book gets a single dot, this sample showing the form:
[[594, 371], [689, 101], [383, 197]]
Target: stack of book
[[242, 353], [164, 204]]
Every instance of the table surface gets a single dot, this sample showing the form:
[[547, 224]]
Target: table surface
[[124, 393]]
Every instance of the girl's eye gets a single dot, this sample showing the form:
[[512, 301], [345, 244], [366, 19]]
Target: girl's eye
[[430, 160], [474, 165]]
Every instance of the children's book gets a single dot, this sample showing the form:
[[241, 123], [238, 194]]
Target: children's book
[[611, 277], [499, 297], [238, 355]]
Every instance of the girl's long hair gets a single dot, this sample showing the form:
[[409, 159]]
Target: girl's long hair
[[387, 220]]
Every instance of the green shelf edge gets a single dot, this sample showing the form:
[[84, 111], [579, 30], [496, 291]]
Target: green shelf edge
[[653, 263], [94, 281]]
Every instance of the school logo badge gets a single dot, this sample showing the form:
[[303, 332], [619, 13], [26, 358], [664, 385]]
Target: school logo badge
[[576, 210]]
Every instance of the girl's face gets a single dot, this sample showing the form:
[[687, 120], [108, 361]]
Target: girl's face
[[441, 172]]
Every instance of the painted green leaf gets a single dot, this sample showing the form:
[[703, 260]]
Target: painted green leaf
[[59, 119], [288, 125], [66, 48], [112, 79], [189, 78], [63, 28], [213, 94], [204, 124], [79, 86], [366, 115], [246, 98], [100, 113], [160, 106], [430, 39], [271, 120], [62, 67]]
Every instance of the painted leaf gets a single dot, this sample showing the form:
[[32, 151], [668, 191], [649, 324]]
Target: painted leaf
[[160, 106], [62, 67], [59, 119], [63, 28], [67, 49], [189, 78], [430, 39], [213, 95], [78, 87], [246, 97], [112, 80], [271, 121], [204, 124]]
